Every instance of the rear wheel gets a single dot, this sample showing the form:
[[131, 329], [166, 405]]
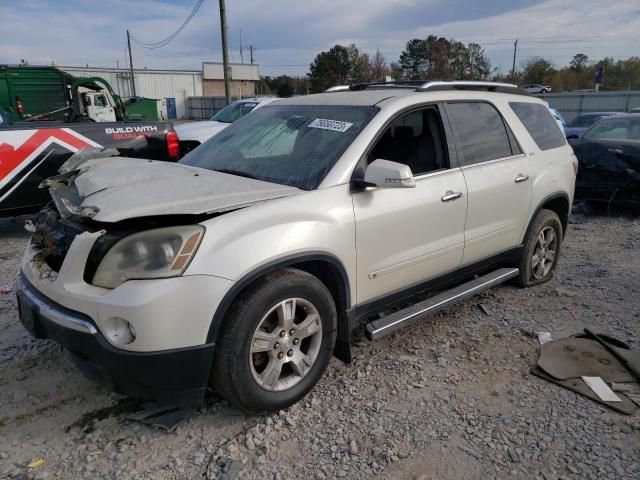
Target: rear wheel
[[276, 342], [541, 249]]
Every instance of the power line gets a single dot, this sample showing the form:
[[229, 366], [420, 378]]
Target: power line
[[167, 40]]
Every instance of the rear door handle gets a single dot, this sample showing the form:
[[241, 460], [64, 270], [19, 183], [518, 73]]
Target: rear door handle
[[521, 178], [449, 196]]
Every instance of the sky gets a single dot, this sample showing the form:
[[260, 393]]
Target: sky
[[287, 34]]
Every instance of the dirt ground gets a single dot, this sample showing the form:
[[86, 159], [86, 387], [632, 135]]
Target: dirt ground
[[449, 397]]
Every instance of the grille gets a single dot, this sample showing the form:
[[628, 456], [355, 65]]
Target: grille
[[54, 236]]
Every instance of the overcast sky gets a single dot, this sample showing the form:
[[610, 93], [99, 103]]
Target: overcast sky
[[287, 34]]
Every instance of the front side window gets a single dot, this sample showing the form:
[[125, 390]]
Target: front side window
[[415, 139], [101, 101], [480, 131], [233, 112], [615, 129], [540, 124], [293, 145]]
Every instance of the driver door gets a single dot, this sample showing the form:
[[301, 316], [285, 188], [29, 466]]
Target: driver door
[[405, 236]]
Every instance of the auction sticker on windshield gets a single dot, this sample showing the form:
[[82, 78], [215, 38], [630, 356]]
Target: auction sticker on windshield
[[335, 125]]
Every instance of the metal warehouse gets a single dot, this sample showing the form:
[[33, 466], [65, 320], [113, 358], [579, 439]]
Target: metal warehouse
[[173, 86]]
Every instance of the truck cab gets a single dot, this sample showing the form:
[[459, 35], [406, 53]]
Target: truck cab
[[98, 106]]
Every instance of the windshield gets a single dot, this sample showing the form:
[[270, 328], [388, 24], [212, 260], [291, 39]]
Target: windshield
[[289, 145], [615, 129], [586, 120], [234, 111]]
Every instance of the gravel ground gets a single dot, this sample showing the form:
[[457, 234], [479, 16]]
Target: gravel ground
[[447, 398]]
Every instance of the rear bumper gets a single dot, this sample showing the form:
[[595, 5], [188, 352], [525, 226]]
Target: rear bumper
[[176, 377]]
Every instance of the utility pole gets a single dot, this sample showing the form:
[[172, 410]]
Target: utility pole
[[225, 53], [513, 68], [251, 49], [133, 82], [241, 57]]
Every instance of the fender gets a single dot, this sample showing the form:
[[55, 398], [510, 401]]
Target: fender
[[244, 282], [544, 201]]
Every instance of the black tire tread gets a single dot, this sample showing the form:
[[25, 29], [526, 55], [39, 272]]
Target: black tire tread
[[222, 379]]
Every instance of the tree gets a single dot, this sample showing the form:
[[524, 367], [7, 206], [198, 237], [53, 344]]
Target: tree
[[579, 62], [330, 68], [479, 64], [414, 60], [378, 68], [538, 70], [442, 59], [339, 66]]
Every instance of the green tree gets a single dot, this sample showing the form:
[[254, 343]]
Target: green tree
[[479, 64], [438, 58], [340, 65], [414, 60], [330, 68], [538, 70], [579, 62]]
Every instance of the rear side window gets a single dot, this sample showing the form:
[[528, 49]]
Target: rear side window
[[540, 124], [480, 131]]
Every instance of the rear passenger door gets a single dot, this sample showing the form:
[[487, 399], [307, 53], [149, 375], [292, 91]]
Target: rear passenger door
[[407, 235], [496, 173]]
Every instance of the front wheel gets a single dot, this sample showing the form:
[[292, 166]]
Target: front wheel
[[541, 249], [276, 342]]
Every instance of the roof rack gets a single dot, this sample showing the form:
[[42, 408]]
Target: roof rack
[[439, 85], [433, 86]]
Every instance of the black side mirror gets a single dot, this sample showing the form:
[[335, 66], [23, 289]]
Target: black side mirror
[[573, 136]]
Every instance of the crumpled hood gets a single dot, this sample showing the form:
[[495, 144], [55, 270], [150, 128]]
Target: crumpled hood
[[199, 131], [117, 188]]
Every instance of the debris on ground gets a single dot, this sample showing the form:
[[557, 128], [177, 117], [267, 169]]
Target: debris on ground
[[589, 366]]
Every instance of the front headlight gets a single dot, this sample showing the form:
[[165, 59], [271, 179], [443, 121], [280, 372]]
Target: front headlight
[[159, 253]]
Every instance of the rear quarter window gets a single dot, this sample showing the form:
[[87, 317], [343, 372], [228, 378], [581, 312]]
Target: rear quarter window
[[540, 124]]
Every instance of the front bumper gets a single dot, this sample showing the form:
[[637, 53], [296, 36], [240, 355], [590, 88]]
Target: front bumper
[[176, 377]]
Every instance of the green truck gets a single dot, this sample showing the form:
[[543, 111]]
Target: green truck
[[35, 93]]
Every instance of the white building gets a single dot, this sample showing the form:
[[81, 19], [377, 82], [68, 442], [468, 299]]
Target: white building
[[173, 85]]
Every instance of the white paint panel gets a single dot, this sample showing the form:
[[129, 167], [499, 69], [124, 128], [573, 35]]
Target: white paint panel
[[239, 71]]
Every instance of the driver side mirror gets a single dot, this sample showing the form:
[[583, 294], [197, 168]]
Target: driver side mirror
[[388, 174]]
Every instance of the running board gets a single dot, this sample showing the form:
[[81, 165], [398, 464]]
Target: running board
[[390, 323]]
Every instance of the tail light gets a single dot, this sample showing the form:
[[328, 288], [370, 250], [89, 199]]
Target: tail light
[[173, 145], [19, 106]]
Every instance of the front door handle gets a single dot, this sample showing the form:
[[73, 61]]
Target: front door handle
[[449, 196], [521, 178]]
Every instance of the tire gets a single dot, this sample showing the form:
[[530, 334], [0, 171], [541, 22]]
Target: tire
[[535, 270], [258, 337]]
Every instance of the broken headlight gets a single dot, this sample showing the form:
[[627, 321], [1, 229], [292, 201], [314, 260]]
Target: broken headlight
[[158, 253]]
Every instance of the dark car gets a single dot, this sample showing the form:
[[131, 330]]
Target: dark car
[[609, 161], [581, 123]]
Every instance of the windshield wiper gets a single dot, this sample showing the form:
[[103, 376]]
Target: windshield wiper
[[235, 172]]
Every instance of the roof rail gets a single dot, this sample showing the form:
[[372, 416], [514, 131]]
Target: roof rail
[[433, 86], [439, 85]]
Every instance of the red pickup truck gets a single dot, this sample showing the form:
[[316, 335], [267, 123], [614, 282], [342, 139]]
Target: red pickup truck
[[33, 151]]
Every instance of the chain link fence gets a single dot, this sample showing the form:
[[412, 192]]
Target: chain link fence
[[203, 108]]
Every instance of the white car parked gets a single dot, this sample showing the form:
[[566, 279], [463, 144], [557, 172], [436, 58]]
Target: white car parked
[[245, 266], [193, 134], [535, 88]]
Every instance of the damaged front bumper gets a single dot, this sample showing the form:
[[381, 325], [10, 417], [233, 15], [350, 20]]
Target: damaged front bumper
[[168, 359], [176, 377]]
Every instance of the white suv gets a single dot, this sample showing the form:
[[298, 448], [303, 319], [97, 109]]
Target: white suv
[[248, 264]]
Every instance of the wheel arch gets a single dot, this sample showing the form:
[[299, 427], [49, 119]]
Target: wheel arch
[[557, 202], [326, 267]]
